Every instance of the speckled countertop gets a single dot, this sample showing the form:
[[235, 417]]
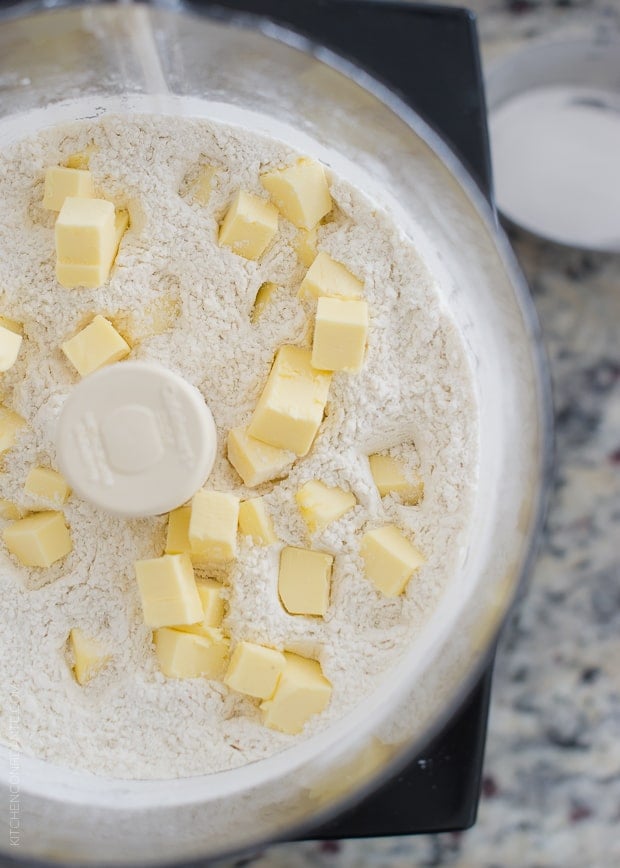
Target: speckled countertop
[[551, 789]]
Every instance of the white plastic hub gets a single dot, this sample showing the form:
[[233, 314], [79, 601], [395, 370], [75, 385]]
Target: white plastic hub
[[135, 439]]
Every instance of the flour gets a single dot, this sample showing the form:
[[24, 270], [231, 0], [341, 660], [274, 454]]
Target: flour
[[182, 300]]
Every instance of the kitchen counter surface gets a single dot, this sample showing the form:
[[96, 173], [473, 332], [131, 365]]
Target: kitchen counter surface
[[551, 788]]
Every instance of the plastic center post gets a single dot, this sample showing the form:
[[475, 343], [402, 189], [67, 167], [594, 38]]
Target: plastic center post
[[135, 439]]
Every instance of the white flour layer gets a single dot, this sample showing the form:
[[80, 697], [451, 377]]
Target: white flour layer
[[414, 395]]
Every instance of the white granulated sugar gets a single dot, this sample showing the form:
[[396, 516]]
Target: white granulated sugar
[[414, 395]]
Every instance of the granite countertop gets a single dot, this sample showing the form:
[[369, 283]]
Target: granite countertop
[[551, 787]]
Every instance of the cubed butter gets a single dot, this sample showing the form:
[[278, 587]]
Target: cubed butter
[[321, 504], [168, 591], [213, 525], [263, 297], [81, 159], [249, 226], [10, 424], [10, 511], [210, 593], [177, 538], [10, 343], [61, 182], [39, 540], [306, 246], [300, 191], [47, 484], [390, 559], [340, 332], [98, 344], [256, 462], [390, 478], [255, 521], [11, 324], [88, 656], [255, 670], [302, 692], [327, 277], [204, 184], [88, 234], [291, 406], [189, 655], [304, 580]]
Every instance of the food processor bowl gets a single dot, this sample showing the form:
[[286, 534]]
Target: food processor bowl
[[71, 62]]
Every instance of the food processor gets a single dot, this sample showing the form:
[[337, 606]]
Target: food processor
[[316, 77]]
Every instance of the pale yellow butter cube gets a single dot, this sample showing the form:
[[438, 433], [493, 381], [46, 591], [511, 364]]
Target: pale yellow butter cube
[[255, 521], [11, 324], [81, 159], [168, 591], [88, 656], [255, 461], [340, 332], [10, 424], [390, 559], [263, 297], [249, 226], [210, 593], [390, 478], [320, 504], [98, 344], [39, 540], [255, 670], [302, 692], [189, 655], [61, 182], [10, 343], [291, 406], [327, 277], [88, 234], [213, 525], [204, 184], [10, 511], [306, 246], [300, 191], [304, 580], [48, 484], [177, 538]]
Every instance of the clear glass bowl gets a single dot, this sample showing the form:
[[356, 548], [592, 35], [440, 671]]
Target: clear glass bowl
[[69, 63]]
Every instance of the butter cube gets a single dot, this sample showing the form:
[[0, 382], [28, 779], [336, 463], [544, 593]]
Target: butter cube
[[290, 409], [306, 246], [256, 462], [303, 581], [10, 424], [255, 670], [302, 691], [204, 184], [210, 593], [168, 590], [98, 344], [10, 343], [177, 539], [300, 191], [320, 505], [390, 559], [263, 297], [61, 182], [188, 655], [255, 521], [340, 332], [88, 233], [81, 159], [327, 277], [88, 656], [10, 511], [48, 484], [11, 324], [389, 478], [213, 525], [39, 540], [249, 225]]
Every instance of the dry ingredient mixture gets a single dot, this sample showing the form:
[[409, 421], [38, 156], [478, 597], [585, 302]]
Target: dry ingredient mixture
[[181, 299]]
